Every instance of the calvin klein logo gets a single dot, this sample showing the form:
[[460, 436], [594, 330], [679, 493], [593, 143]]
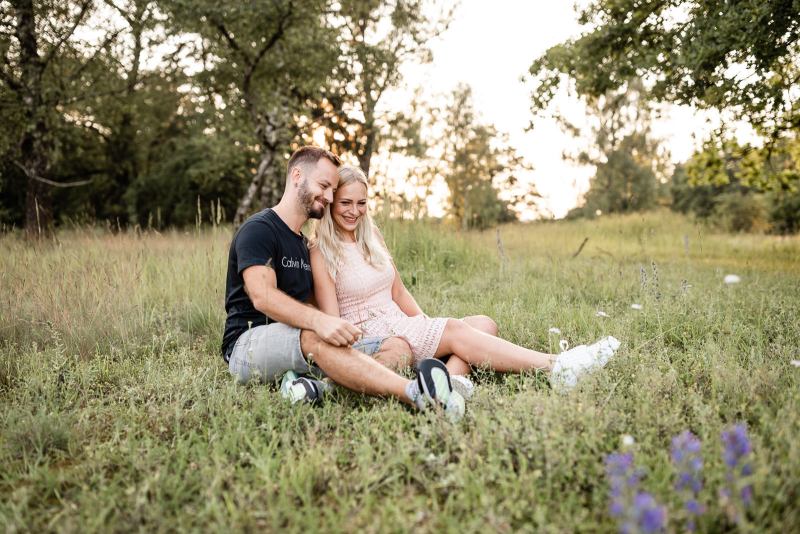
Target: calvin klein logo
[[292, 263]]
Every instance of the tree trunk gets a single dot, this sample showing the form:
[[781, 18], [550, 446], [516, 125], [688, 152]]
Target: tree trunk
[[33, 147], [267, 134], [243, 210], [365, 155]]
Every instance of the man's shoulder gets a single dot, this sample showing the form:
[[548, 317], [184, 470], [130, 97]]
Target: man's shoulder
[[265, 216], [257, 224]]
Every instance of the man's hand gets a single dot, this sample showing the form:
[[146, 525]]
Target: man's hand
[[335, 331]]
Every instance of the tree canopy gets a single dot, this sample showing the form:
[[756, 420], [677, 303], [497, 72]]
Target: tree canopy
[[739, 56]]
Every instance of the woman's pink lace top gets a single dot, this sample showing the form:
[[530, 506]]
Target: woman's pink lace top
[[365, 300]]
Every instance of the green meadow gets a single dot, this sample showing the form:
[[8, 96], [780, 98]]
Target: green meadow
[[117, 412]]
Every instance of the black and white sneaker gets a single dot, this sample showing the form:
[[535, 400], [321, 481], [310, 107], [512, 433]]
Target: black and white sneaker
[[301, 388], [435, 388]]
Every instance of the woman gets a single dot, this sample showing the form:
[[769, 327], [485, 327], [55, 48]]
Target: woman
[[355, 279]]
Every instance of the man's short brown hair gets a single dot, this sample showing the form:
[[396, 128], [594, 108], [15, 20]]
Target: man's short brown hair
[[310, 155]]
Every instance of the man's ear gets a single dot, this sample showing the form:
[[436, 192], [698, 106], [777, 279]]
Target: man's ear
[[296, 175]]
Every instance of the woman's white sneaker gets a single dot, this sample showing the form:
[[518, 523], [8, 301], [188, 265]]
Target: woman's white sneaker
[[572, 364], [462, 385]]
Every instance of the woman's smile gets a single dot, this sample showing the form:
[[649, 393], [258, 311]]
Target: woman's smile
[[349, 205]]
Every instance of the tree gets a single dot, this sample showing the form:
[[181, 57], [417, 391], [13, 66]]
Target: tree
[[46, 71], [630, 163], [477, 164], [268, 59], [376, 38], [725, 182], [740, 57]]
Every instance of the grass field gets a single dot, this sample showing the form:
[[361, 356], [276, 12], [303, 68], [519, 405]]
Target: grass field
[[118, 414]]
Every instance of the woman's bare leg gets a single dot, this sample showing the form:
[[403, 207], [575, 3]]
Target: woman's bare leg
[[479, 348], [483, 323]]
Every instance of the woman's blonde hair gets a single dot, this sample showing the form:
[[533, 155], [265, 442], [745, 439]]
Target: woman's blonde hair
[[329, 241]]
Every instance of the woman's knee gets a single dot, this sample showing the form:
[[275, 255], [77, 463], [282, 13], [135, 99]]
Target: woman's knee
[[484, 323], [454, 332], [395, 353]]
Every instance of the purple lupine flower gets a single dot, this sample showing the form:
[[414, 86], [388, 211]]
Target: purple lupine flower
[[685, 454], [736, 452], [648, 514], [622, 480], [635, 511]]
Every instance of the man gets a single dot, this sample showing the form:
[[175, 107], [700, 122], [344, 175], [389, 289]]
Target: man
[[271, 332]]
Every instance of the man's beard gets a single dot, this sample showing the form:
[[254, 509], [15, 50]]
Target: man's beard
[[307, 200]]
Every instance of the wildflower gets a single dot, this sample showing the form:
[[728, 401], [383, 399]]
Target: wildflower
[[627, 440], [554, 330], [601, 313], [623, 481], [732, 279], [685, 454], [648, 515], [635, 511], [636, 306], [738, 494]]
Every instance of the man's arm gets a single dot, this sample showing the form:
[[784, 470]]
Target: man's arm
[[262, 288]]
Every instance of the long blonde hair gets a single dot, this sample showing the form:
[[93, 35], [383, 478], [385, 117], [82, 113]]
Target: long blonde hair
[[329, 241]]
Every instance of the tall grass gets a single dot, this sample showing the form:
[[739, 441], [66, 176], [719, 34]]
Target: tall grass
[[117, 412]]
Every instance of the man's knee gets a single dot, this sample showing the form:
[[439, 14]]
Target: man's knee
[[309, 341]]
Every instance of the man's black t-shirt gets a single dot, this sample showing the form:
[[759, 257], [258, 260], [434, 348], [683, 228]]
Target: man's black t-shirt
[[264, 239]]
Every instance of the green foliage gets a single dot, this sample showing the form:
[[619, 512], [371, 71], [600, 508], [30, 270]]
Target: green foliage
[[736, 212], [375, 39], [736, 56], [629, 161], [785, 211], [117, 409], [724, 182], [475, 160], [742, 58]]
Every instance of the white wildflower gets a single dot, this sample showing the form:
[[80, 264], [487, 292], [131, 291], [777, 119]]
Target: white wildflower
[[627, 440], [601, 313], [554, 330], [636, 306], [732, 279]]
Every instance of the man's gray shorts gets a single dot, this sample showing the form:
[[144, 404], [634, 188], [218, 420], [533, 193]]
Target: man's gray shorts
[[266, 352]]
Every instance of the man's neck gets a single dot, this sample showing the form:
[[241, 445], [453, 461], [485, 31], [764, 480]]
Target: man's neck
[[291, 215]]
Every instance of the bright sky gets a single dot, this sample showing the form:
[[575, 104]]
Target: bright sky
[[489, 46]]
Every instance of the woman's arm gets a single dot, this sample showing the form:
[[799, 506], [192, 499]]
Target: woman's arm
[[402, 297], [324, 286]]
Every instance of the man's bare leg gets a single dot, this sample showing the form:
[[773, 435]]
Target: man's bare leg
[[352, 369], [482, 323]]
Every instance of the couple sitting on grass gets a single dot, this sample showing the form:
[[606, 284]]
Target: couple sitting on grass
[[354, 321]]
